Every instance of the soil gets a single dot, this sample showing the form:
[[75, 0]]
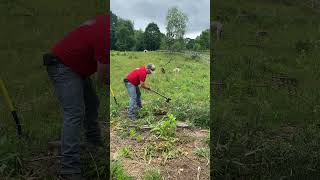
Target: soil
[[46, 164], [186, 165]]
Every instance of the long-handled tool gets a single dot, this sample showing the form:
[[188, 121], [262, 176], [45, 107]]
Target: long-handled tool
[[114, 97], [6, 96], [162, 68], [167, 99]]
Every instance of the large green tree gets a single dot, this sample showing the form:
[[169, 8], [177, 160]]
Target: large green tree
[[176, 26], [204, 39], [124, 35], [152, 36], [113, 27], [189, 43], [140, 41], [163, 42], [197, 45]]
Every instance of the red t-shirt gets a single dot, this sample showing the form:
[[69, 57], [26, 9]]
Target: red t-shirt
[[83, 47], [137, 76]]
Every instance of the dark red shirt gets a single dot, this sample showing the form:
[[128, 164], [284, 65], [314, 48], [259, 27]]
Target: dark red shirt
[[83, 47], [137, 76]]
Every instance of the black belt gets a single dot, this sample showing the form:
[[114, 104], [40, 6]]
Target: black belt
[[125, 80], [50, 59]]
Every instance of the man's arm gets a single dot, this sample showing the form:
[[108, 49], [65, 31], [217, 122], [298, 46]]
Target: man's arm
[[103, 72], [101, 47], [142, 82], [144, 86]]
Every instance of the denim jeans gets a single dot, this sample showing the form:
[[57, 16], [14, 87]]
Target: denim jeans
[[135, 98], [80, 104]]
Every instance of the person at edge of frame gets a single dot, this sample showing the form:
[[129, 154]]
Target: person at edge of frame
[[80, 54]]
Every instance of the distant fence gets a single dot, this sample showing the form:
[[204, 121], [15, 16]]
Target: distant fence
[[200, 51], [200, 54], [313, 4]]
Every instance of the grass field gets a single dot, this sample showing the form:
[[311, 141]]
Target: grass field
[[29, 29], [165, 150], [266, 97]]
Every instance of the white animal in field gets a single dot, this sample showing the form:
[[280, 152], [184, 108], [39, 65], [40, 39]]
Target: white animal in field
[[176, 70], [145, 50]]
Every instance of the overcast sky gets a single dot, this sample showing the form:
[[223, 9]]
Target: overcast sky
[[143, 12]]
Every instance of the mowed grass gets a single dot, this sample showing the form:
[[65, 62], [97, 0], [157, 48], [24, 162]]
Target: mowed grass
[[188, 88], [261, 130], [30, 29]]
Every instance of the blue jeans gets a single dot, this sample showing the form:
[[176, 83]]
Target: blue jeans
[[80, 104], [135, 98]]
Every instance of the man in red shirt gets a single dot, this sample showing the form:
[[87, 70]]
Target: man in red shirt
[[132, 81], [71, 62]]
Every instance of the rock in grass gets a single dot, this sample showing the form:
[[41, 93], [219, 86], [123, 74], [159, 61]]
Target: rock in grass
[[179, 125], [182, 124]]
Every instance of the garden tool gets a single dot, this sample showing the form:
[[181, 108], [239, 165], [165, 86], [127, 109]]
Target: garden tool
[[7, 99], [167, 99], [114, 97], [162, 68]]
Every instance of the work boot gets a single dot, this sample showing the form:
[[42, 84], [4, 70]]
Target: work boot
[[71, 177]]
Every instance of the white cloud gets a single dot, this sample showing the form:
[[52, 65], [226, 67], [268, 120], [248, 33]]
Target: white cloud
[[143, 12]]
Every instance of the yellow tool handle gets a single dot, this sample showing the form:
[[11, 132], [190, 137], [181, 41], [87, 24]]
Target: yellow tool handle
[[111, 91], [6, 95]]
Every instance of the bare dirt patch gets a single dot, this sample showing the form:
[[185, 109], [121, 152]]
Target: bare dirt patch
[[186, 165]]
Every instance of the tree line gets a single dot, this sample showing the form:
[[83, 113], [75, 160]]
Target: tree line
[[125, 38]]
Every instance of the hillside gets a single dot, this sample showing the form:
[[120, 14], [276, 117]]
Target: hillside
[[266, 98]]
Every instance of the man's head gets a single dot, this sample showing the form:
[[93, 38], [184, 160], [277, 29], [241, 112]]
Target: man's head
[[150, 68]]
